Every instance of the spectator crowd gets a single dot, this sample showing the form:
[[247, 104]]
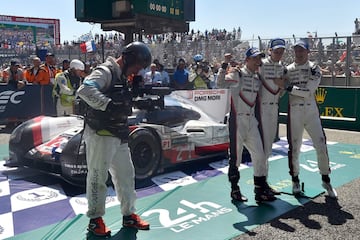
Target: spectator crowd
[[174, 53]]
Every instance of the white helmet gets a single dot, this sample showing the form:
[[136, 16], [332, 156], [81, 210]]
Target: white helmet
[[77, 64]]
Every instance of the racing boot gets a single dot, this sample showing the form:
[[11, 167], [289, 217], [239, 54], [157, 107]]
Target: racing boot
[[134, 221], [296, 190], [327, 185], [98, 228], [274, 191], [262, 192], [237, 195], [234, 177]]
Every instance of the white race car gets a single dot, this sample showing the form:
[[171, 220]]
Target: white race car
[[176, 132]]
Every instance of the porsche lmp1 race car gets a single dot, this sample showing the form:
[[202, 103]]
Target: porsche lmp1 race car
[[161, 135]]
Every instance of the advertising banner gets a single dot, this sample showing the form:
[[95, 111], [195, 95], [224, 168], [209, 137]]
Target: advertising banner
[[26, 103], [338, 107], [41, 30], [215, 102]]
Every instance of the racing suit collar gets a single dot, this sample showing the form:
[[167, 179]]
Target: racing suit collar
[[248, 70], [306, 63]]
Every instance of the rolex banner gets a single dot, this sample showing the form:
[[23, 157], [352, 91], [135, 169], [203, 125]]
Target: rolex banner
[[338, 106]]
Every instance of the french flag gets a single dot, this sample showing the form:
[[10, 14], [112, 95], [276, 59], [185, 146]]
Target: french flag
[[88, 46]]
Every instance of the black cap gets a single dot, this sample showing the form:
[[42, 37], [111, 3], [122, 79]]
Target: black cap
[[181, 60], [14, 62]]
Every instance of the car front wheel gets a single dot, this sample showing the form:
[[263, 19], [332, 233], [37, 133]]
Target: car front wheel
[[145, 152]]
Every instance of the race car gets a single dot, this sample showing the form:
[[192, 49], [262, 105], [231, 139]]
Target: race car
[[161, 135]]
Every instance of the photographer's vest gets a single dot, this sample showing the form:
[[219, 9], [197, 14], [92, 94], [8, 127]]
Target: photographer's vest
[[199, 83], [101, 121], [65, 99]]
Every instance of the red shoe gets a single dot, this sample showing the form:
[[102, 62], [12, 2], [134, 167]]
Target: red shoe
[[135, 221], [98, 227]]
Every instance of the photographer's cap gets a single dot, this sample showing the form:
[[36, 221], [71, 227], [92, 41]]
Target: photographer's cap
[[14, 62], [254, 52], [277, 43], [302, 43]]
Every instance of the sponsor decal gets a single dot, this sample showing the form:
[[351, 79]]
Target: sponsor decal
[[209, 92], [179, 140], [173, 180], [76, 169], [82, 201], [353, 154], [332, 112], [9, 97], [79, 203], [223, 166], [58, 143], [189, 215], [166, 144], [207, 98], [312, 166], [327, 111], [36, 197], [320, 95]]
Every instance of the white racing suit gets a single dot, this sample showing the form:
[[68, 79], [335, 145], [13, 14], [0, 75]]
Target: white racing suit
[[243, 126], [303, 113], [105, 152], [268, 103]]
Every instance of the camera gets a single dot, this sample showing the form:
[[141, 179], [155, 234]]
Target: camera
[[203, 66], [149, 97]]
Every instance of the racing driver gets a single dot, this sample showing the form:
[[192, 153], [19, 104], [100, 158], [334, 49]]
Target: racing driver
[[303, 78], [244, 85], [269, 94], [106, 133]]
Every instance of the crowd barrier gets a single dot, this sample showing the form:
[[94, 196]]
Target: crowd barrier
[[34, 100], [339, 106], [18, 105]]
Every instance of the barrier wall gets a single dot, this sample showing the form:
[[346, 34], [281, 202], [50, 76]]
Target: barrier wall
[[339, 107], [35, 100], [17, 105]]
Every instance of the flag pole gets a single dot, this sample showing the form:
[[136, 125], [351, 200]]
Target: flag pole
[[102, 47]]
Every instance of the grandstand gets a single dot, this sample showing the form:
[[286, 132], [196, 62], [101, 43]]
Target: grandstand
[[328, 52]]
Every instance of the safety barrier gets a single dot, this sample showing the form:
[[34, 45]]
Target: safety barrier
[[17, 105], [339, 107]]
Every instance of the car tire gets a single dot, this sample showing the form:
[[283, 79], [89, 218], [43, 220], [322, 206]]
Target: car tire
[[145, 152]]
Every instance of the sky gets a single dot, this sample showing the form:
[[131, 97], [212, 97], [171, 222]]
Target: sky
[[256, 18]]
